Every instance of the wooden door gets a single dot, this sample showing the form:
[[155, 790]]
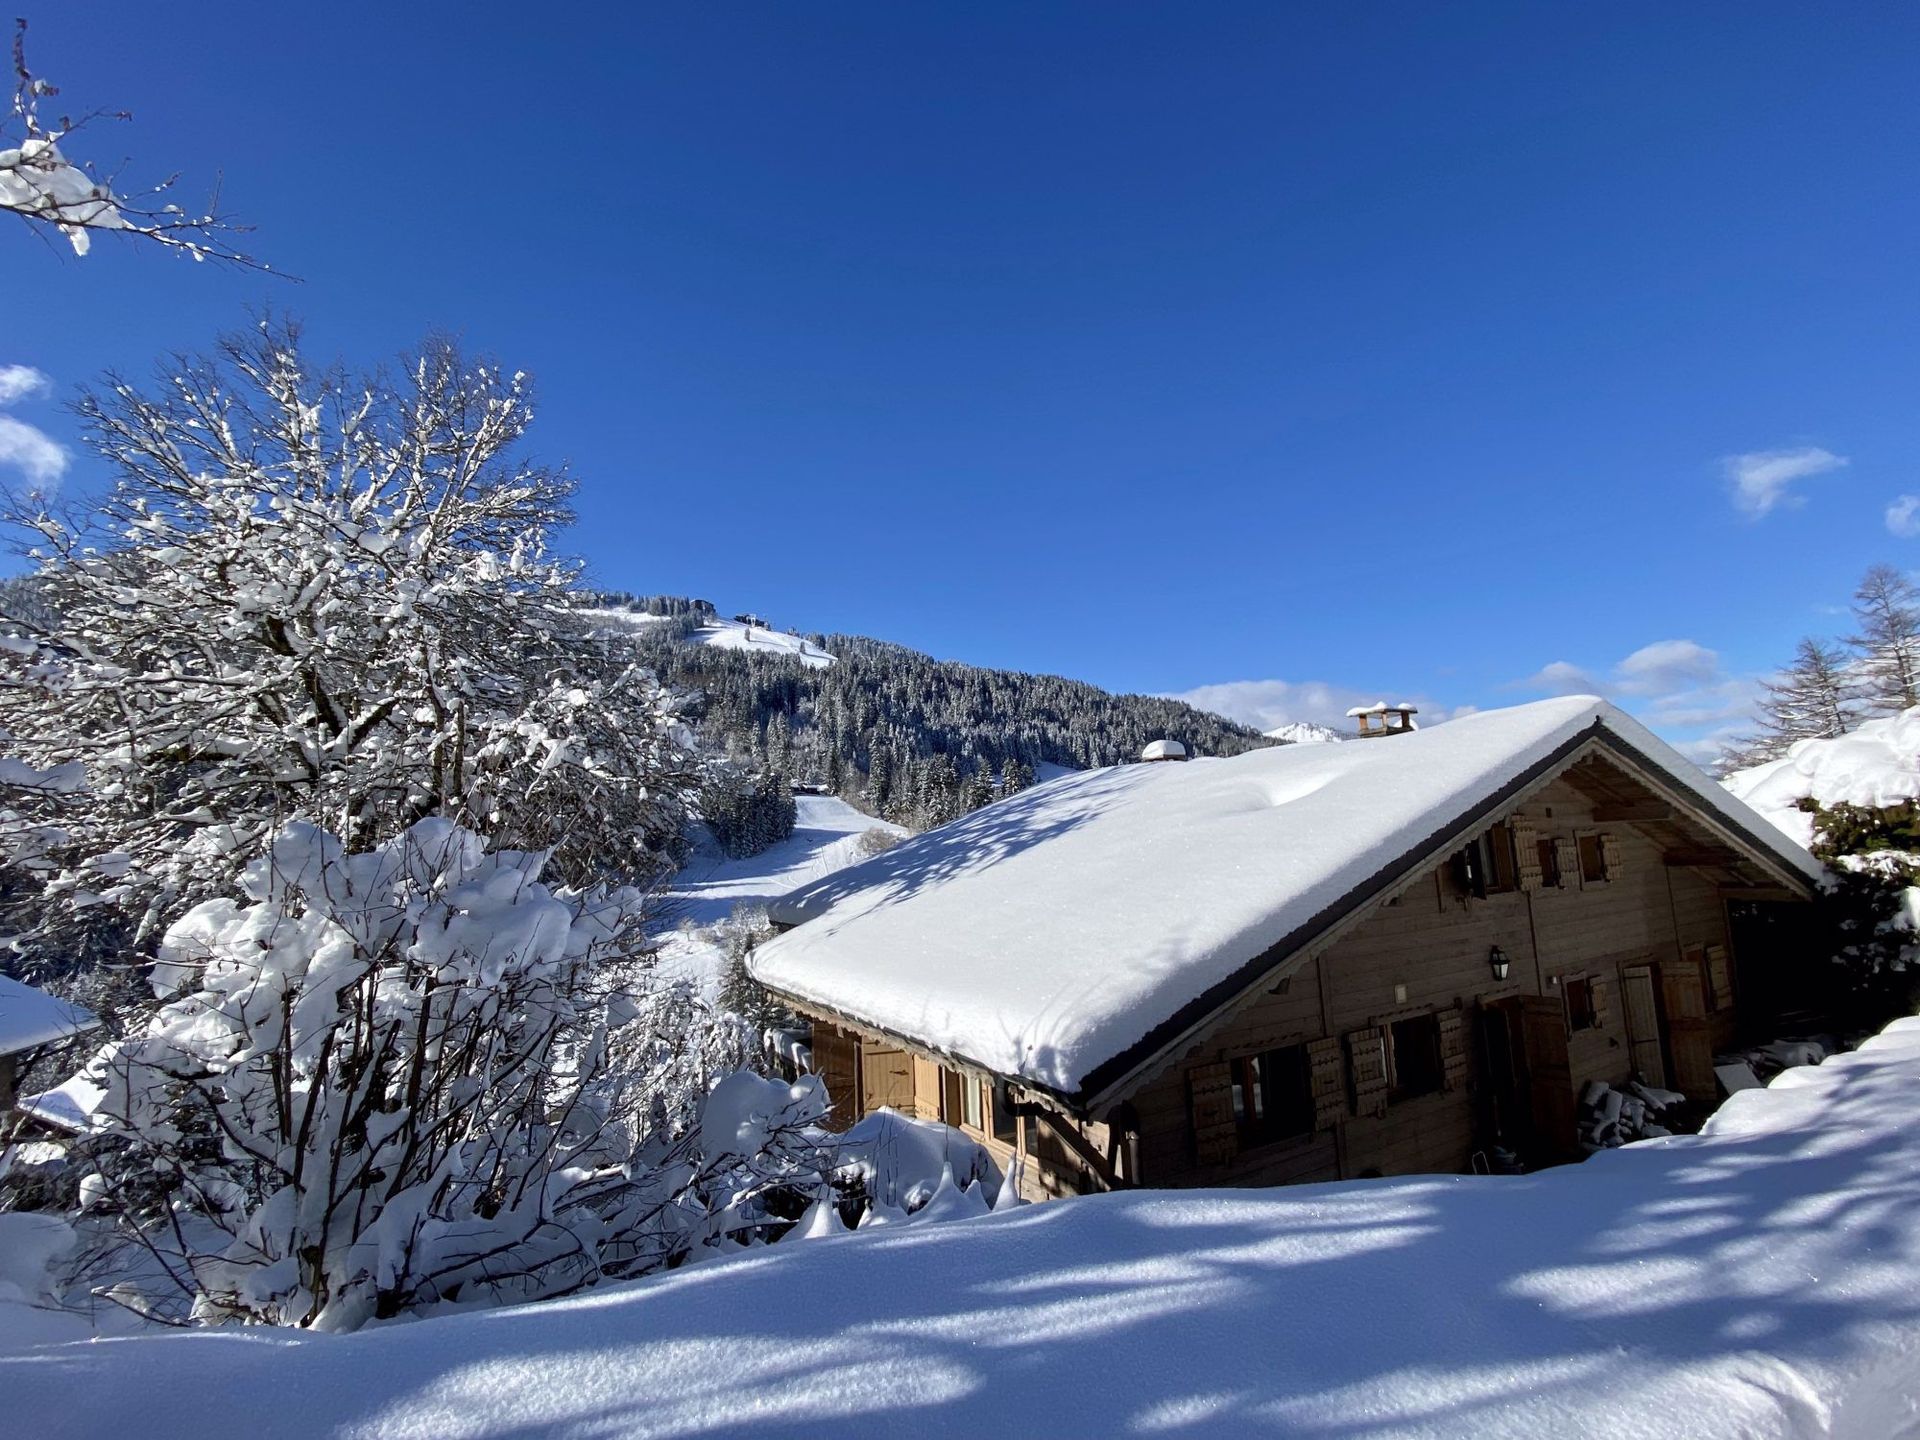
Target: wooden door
[[1689, 1034], [1645, 1044], [1543, 1027]]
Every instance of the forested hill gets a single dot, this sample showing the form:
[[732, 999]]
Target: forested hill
[[906, 736]]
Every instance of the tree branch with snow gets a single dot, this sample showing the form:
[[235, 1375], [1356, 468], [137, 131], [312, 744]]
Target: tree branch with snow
[[45, 187]]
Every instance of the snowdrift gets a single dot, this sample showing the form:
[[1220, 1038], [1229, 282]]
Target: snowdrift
[[1761, 1279], [1877, 765]]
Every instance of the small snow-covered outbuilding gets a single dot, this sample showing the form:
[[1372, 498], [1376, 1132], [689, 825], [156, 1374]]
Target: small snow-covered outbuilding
[[31, 1020], [1305, 962]]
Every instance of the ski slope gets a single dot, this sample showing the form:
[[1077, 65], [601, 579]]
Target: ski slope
[[723, 635], [826, 836]]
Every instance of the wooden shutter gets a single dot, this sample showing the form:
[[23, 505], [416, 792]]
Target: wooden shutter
[[1367, 1060], [1216, 1140], [1453, 1049], [1719, 977], [836, 1061], [1526, 844], [1568, 849], [1601, 989], [1326, 1075], [1643, 1025], [1610, 856]]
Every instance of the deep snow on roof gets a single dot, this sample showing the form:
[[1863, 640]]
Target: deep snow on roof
[[30, 1017], [1047, 933]]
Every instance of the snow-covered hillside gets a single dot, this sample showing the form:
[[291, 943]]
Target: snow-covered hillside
[[1305, 732], [1757, 1280], [722, 634], [696, 913], [1876, 765], [826, 837]]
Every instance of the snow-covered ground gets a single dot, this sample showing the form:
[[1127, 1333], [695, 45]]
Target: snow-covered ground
[[726, 635], [1876, 765], [1761, 1279], [1305, 732]]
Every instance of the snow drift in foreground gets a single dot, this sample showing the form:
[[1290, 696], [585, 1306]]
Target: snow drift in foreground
[[1876, 765], [1761, 1279]]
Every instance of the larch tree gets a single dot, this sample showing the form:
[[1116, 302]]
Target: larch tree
[[1886, 609], [1818, 696]]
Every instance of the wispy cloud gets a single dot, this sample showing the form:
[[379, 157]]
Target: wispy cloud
[[1903, 517], [24, 447], [1269, 704], [1762, 480], [18, 382]]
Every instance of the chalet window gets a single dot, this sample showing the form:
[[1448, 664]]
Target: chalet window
[[1581, 1014], [1502, 873], [960, 1100], [1549, 854], [1486, 866], [1006, 1125], [1272, 1095], [1593, 860], [1417, 1065]]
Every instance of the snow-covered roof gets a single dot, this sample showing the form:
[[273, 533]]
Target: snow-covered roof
[[1164, 750], [1046, 935], [30, 1017]]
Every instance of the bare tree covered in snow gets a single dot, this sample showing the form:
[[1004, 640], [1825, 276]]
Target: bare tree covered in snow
[[41, 184], [1886, 607], [395, 1080], [315, 595], [1818, 696]]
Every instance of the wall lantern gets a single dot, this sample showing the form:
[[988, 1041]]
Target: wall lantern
[[1498, 959]]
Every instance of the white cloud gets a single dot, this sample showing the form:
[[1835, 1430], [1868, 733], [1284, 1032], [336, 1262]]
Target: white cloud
[[20, 382], [1666, 665], [1762, 480], [1903, 517], [33, 452], [1560, 677], [1679, 687], [24, 447], [1269, 704]]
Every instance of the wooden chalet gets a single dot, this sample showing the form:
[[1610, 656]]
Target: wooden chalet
[[1305, 963]]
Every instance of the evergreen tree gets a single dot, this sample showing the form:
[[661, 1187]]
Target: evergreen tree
[[1886, 608]]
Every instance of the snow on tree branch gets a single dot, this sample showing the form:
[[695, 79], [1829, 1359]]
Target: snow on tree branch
[[421, 1076], [41, 184], [311, 593]]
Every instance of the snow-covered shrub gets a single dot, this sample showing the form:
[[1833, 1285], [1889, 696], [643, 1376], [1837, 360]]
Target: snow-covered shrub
[[319, 595], [392, 1080]]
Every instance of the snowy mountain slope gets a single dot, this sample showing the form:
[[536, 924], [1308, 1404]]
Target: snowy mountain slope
[[721, 634], [696, 912], [826, 836], [1876, 765], [1756, 1281], [1304, 732]]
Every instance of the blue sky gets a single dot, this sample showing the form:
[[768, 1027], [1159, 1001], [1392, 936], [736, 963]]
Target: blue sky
[[1308, 352]]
